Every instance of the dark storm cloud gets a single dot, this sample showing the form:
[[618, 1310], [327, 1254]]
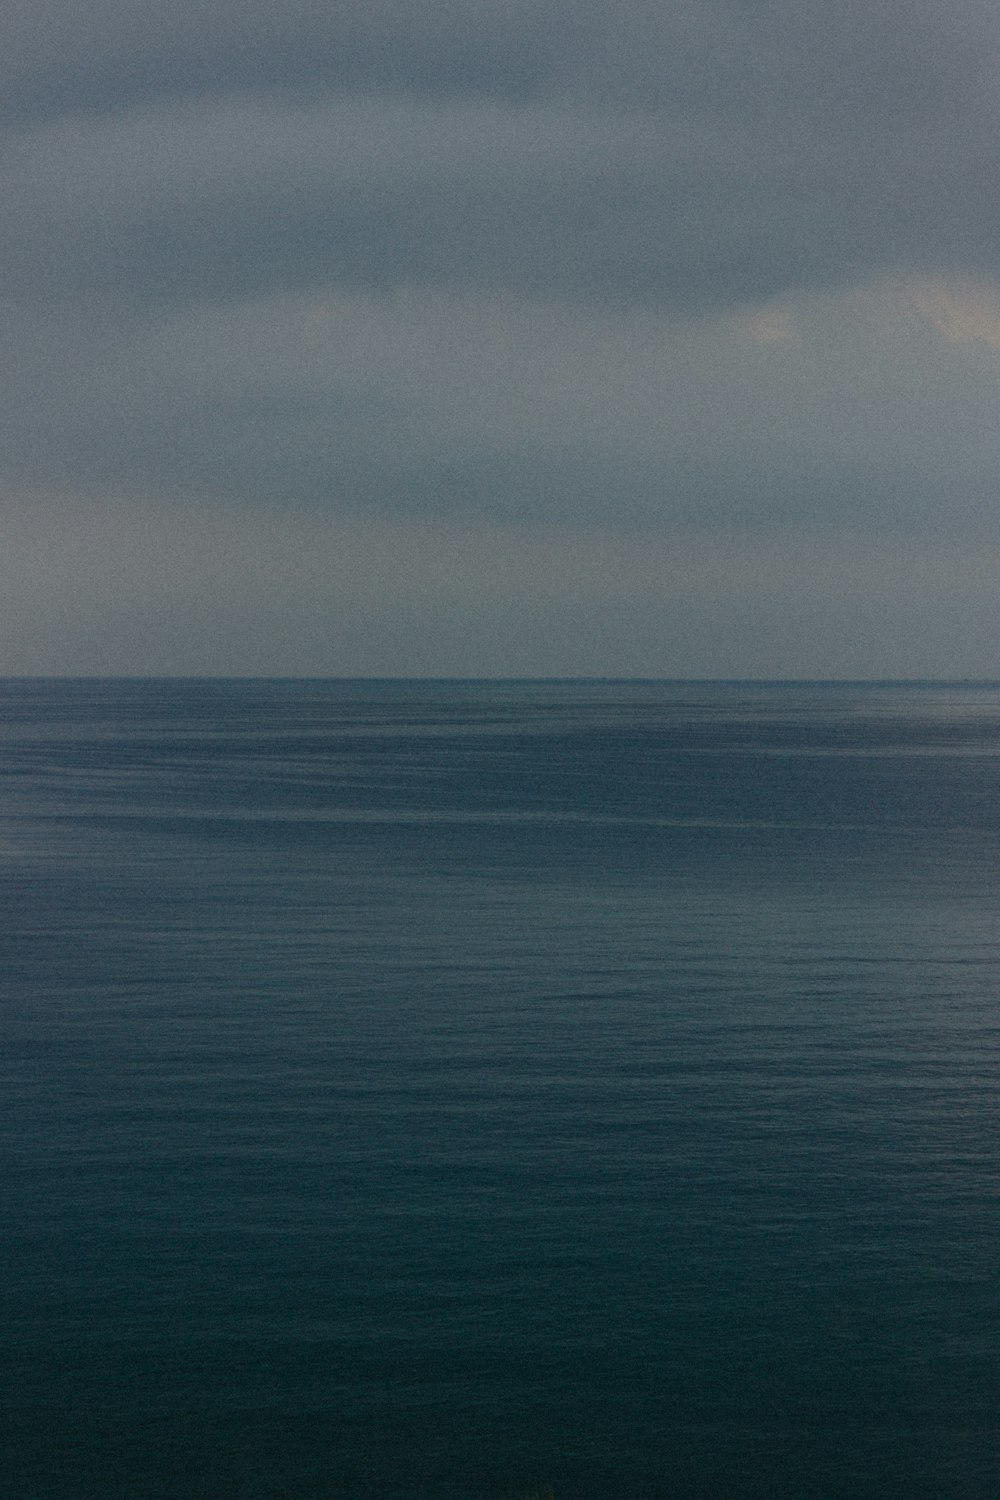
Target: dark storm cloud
[[226, 200], [895, 61], [674, 154]]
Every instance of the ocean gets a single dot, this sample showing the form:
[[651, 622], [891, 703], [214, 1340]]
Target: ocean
[[493, 1090]]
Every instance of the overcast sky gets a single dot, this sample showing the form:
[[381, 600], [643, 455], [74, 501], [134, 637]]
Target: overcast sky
[[536, 338]]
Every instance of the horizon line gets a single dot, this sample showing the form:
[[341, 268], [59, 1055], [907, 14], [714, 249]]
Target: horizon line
[[458, 678]]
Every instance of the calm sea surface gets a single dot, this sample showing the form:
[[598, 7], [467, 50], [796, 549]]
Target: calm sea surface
[[468, 1090]]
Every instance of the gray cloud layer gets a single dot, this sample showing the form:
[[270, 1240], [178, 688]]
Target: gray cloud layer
[[712, 266], [660, 154]]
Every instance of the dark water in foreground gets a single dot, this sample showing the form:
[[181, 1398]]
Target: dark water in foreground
[[458, 1090]]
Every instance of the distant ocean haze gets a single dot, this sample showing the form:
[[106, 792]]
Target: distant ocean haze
[[488, 1089]]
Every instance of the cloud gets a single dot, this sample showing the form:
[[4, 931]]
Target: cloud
[[962, 311], [770, 325], [220, 200], [670, 156], [437, 403], [126, 587], [793, 57], [456, 280]]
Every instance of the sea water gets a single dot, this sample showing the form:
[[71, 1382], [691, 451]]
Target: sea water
[[486, 1090]]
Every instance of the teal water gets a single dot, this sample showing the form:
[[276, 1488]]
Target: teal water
[[468, 1089]]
